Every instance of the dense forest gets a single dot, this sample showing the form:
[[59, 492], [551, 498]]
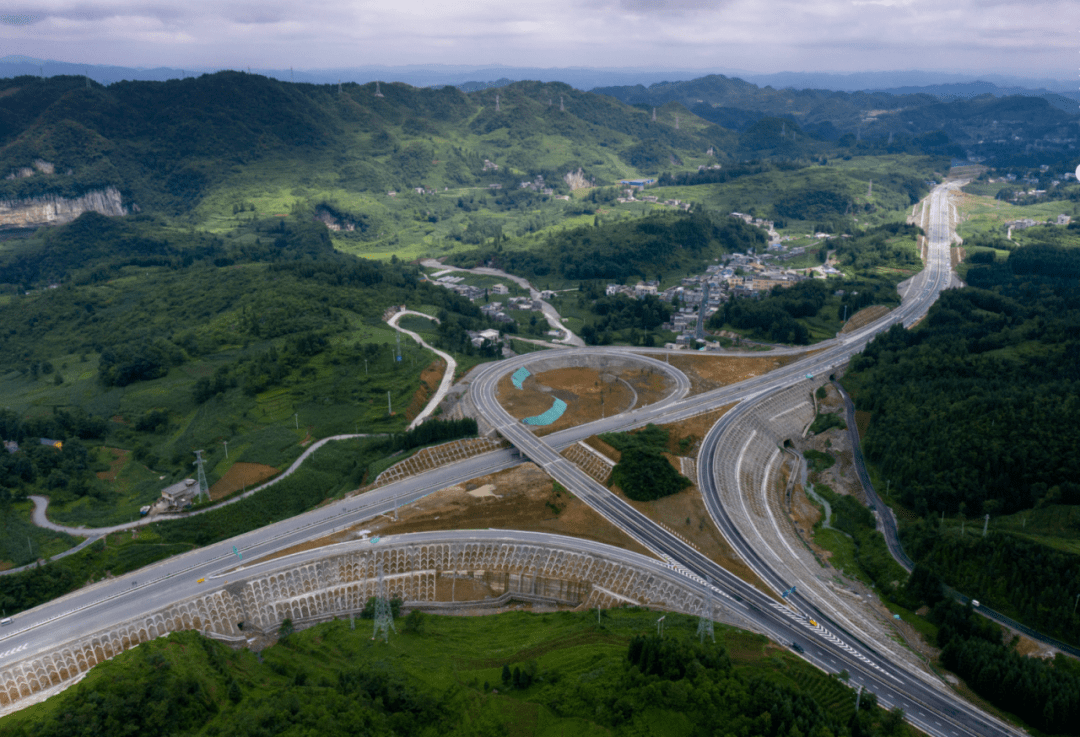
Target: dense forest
[[644, 472], [973, 415], [621, 250], [996, 365], [586, 678], [1021, 578]]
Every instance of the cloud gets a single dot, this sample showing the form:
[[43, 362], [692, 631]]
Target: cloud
[[1006, 36]]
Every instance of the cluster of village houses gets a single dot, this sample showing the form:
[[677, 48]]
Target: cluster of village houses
[[736, 275]]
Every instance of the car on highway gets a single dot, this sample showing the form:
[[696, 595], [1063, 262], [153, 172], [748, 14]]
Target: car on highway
[[797, 647], [813, 623], [201, 580]]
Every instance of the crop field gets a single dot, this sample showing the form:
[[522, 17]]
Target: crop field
[[982, 215]]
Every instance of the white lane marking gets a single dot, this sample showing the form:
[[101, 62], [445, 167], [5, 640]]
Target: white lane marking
[[20, 648]]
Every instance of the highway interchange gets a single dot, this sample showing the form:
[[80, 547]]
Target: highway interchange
[[933, 709]]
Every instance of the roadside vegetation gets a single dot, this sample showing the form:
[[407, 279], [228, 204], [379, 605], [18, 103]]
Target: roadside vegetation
[[644, 472], [972, 417], [466, 676], [334, 470]]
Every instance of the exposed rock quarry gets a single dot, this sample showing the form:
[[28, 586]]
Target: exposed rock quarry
[[51, 210]]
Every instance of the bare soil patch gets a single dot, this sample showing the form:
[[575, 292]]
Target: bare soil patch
[[841, 477], [864, 317], [692, 430], [589, 394], [429, 382], [522, 498], [240, 476], [709, 372], [685, 515], [806, 515], [119, 460]]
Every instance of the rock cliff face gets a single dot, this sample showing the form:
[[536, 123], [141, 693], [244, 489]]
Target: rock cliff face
[[50, 210]]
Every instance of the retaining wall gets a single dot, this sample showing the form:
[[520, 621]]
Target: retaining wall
[[340, 582]]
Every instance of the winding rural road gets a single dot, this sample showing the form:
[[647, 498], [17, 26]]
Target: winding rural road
[[448, 374], [550, 313]]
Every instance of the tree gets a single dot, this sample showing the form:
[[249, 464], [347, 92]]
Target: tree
[[414, 623]]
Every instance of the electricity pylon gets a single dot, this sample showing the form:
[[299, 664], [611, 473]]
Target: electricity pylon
[[705, 623], [384, 615]]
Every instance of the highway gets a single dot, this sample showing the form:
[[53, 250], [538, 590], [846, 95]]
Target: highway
[[936, 711], [96, 607]]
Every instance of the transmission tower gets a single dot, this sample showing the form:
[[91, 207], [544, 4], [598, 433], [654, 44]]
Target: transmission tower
[[497, 109], [676, 122], [654, 115], [203, 487], [384, 616], [562, 107], [705, 623], [378, 92]]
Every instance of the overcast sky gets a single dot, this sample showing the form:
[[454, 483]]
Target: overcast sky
[[1029, 38]]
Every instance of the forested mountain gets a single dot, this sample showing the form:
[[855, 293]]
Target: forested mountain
[[164, 144], [987, 125]]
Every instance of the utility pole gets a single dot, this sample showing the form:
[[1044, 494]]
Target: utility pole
[[986, 523], [1075, 603], [389, 406], [660, 627], [296, 419], [226, 449], [858, 698]]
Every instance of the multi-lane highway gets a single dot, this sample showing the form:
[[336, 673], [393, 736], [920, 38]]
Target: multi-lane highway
[[934, 710]]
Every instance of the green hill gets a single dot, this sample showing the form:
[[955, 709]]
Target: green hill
[[999, 127], [167, 145]]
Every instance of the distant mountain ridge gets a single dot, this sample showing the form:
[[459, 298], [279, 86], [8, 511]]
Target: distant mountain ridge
[[430, 75]]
